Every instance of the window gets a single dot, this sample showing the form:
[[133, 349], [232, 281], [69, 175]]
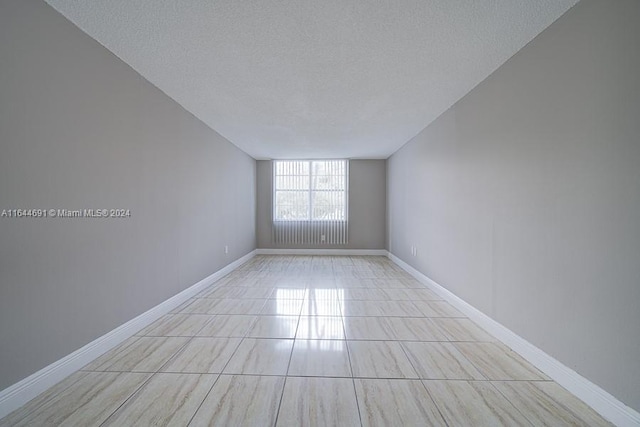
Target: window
[[310, 202], [310, 190]]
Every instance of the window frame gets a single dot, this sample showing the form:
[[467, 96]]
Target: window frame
[[310, 190]]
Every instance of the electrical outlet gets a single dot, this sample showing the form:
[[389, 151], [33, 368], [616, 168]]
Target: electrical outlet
[[226, 249]]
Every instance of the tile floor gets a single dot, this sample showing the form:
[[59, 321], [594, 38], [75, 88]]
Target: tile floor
[[302, 340]]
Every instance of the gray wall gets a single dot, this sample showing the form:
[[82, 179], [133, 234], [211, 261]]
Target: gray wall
[[367, 204], [80, 129], [524, 198]]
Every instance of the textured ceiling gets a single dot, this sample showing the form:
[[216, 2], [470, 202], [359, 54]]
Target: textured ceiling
[[314, 79]]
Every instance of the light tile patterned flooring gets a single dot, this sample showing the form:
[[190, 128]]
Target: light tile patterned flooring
[[310, 340]]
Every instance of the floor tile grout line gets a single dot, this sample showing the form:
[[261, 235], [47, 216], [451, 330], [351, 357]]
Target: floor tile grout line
[[346, 343], [195, 336], [353, 380], [435, 404], [175, 354], [516, 408], [137, 390], [47, 400], [482, 371], [353, 377], [204, 399], [284, 386], [320, 376], [293, 346], [118, 351], [404, 351], [149, 334], [558, 402], [244, 337]]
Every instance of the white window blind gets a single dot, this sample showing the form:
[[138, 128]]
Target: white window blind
[[310, 201]]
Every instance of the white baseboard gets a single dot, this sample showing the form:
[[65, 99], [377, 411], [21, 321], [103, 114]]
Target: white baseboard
[[335, 252], [20, 393], [600, 400]]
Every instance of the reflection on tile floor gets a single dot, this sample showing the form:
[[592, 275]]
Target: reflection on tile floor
[[309, 340]]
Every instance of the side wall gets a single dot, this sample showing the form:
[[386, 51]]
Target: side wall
[[367, 204], [524, 198], [79, 129]]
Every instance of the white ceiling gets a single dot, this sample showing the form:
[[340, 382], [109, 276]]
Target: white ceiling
[[314, 79]]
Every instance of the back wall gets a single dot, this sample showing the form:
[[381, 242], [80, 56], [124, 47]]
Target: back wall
[[367, 206]]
